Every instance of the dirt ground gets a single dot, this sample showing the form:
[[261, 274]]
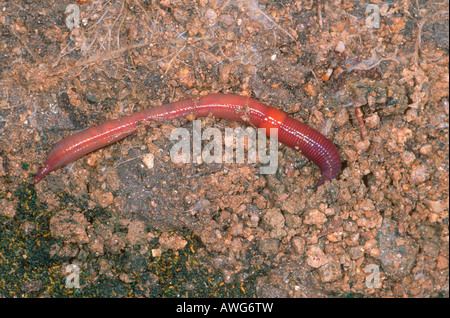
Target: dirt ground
[[373, 79]]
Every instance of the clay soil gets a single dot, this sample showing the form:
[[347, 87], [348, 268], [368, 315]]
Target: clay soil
[[373, 79]]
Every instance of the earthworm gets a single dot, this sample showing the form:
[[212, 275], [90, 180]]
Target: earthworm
[[290, 132]]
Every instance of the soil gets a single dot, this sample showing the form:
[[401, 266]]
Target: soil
[[373, 79]]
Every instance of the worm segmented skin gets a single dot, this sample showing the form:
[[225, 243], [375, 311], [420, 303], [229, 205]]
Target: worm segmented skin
[[290, 132]]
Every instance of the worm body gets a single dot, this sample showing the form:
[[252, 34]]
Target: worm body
[[290, 131]]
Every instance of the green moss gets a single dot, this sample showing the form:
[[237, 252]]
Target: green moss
[[24, 249], [28, 269], [25, 166], [177, 271]]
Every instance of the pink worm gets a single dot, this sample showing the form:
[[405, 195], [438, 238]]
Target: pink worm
[[290, 131]]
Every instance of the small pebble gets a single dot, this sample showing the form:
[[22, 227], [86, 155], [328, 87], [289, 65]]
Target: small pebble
[[309, 90], [298, 244], [92, 160], [173, 241], [186, 77], [91, 99], [148, 160], [341, 117], [104, 199], [436, 206], [211, 16], [340, 47], [442, 262], [362, 145], [419, 174], [425, 150], [330, 272], [226, 20], [408, 158], [372, 121], [316, 257], [315, 217], [326, 76], [156, 252]]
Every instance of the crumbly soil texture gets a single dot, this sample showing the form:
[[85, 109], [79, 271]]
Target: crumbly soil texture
[[127, 221]]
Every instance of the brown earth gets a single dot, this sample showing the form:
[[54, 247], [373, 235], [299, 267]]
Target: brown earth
[[136, 230]]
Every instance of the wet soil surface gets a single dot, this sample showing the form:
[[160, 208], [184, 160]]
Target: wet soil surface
[[129, 222]]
